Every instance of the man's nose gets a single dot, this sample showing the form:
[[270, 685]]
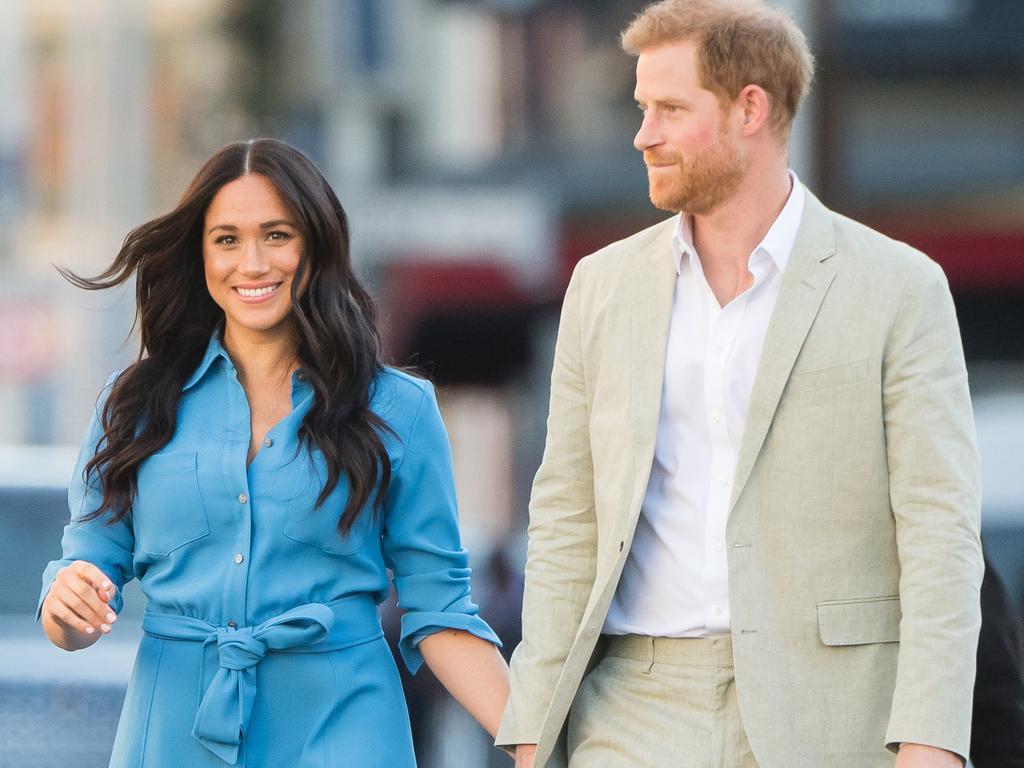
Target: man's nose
[[649, 135]]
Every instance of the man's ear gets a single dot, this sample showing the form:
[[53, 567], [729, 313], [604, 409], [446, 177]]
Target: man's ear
[[756, 105]]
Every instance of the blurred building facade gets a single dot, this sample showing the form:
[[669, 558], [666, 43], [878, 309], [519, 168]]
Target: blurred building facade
[[481, 147]]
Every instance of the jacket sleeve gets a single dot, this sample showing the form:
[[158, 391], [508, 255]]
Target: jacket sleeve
[[562, 551], [935, 492], [108, 546], [421, 542]]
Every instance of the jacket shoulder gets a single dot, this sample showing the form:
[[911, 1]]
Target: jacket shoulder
[[614, 256], [884, 255]]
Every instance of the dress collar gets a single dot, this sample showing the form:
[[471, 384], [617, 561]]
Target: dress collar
[[214, 350]]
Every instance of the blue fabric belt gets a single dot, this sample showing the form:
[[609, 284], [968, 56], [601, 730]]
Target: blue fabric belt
[[226, 706]]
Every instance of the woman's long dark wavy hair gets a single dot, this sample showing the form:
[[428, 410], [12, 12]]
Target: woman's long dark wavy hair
[[339, 346]]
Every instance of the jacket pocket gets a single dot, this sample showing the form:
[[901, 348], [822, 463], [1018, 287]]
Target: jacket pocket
[[832, 376], [860, 621], [168, 512]]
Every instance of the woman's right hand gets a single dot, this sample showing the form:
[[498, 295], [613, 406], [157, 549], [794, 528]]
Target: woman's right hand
[[525, 754], [76, 611]]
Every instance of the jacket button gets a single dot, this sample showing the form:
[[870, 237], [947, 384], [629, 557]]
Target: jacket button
[[233, 624]]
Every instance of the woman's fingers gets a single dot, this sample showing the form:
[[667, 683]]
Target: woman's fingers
[[81, 592], [64, 615], [97, 578], [85, 600]]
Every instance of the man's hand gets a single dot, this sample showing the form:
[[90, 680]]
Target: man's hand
[[920, 756], [525, 754]]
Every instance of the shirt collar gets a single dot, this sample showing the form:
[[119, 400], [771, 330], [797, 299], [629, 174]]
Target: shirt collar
[[777, 242], [214, 350]]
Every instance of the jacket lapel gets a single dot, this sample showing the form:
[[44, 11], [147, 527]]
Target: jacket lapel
[[651, 291], [804, 284]]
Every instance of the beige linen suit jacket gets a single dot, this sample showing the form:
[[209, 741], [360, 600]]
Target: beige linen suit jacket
[[854, 554]]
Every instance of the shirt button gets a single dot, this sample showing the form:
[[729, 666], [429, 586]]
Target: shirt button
[[716, 416], [723, 481], [716, 609], [268, 442], [233, 624], [242, 498], [719, 547], [239, 558]]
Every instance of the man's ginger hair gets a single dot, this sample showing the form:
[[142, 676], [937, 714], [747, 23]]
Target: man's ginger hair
[[739, 43]]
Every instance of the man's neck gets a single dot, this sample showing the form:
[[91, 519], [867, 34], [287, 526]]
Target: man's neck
[[727, 236]]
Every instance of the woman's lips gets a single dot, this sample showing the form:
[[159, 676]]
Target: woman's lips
[[257, 294]]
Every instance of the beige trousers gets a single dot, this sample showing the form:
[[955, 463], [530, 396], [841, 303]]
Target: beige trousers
[[658, 702]]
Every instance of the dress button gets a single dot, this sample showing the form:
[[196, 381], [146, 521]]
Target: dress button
[[268, 442], [233, 624], [239, 558], [242, 498]]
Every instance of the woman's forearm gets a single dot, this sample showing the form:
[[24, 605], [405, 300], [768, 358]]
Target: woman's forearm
[[472, 670]]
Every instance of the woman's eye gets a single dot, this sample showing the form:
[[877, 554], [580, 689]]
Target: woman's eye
[[226, 240], [279, 236]]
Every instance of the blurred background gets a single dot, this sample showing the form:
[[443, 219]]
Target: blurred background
[[480, 148]]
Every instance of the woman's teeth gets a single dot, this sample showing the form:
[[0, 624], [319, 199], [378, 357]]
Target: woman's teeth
[[253, 293]]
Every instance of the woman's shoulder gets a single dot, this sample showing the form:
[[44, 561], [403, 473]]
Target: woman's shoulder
[[398, 396]]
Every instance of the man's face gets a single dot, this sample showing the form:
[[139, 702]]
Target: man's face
[[691, 145]]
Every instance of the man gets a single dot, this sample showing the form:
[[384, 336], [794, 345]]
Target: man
[[754, 533]]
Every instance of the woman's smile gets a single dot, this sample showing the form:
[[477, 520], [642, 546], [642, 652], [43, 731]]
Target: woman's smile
[[257, 294]]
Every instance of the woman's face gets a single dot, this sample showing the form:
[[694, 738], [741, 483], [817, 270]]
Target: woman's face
[[251, 250]]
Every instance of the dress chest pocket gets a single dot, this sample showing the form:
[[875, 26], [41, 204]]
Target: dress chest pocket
[[318, 526], [168, 512]]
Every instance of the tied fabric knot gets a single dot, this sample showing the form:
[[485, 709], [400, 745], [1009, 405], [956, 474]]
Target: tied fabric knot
[[224, 712], [238, 650]]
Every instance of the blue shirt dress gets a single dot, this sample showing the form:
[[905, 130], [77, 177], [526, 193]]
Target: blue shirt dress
[[263, 644]]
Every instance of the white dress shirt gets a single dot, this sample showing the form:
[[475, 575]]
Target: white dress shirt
[[675, 582]]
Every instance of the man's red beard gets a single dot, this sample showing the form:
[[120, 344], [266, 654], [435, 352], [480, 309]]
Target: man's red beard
[[696, 185]]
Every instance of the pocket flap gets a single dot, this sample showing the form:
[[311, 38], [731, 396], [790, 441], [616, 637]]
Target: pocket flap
[[857, 622], [832, 376]]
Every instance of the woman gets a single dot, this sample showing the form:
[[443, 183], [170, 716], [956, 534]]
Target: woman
[[258, 470]]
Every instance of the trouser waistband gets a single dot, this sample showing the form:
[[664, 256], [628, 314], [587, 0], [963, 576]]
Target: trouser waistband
[[713, 650]]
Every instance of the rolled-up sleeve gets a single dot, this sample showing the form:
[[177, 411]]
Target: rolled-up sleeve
[[421, 541], [108, 546]]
